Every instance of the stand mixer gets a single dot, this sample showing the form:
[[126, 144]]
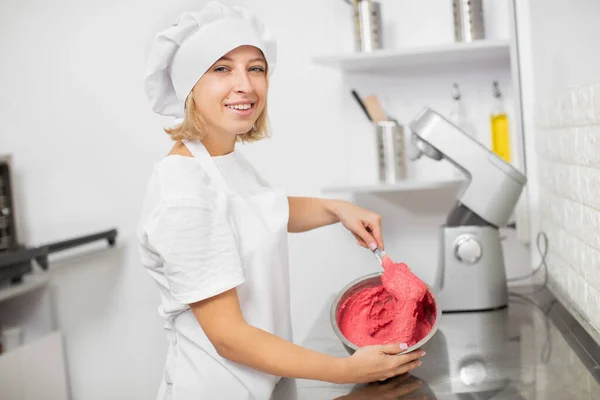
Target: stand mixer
[[471, 274]]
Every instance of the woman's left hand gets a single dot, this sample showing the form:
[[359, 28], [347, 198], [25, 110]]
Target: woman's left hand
[[363, 224]]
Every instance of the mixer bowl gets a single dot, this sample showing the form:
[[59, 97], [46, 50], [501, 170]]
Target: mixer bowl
[[364, 282]]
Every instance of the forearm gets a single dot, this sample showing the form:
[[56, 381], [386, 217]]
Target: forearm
[[271, 354], [308, 213]]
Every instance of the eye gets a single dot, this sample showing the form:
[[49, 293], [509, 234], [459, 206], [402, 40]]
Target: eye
[[258, 69], [220, 69]]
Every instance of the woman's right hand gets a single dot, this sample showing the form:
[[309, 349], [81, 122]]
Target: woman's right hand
[[381, 362]]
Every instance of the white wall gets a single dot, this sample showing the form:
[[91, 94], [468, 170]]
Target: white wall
[[74, 115], [563, 110]]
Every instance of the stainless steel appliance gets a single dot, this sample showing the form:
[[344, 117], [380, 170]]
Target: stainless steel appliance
[[471, 273], [8, 230]]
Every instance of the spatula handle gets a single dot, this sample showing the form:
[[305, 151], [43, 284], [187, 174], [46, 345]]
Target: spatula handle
[[379, 254]]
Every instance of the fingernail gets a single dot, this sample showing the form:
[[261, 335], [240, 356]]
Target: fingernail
[[419, 364], [372, 245], [423, 354], [403, 346]]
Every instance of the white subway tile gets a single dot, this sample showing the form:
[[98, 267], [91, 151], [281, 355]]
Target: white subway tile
[[557, 145], [591, 266], [595, 102], [591, 146], [581, 257], [592, 306], [580, 184], [577, 107], [577, 290], [578, 220], [561, 244], [582, 105], [586, 97], [573, 146], [559, 272]]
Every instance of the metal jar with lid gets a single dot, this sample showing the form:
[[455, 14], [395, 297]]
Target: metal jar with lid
[[390, 151], [468, 20], [367, 25]]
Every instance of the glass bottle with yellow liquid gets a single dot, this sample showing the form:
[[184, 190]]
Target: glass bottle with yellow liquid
[[499, 126]]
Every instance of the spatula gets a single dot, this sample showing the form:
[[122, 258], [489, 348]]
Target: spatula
[[380, 254]]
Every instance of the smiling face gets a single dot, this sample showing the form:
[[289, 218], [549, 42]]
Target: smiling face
[[232, 93]]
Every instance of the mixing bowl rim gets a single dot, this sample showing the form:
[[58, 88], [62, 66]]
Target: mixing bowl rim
[[335, 304]]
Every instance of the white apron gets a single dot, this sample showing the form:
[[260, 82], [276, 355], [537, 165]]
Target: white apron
[[193, 369]]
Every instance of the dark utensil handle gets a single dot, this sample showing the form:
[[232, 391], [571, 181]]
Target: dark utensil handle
[[362, 105]]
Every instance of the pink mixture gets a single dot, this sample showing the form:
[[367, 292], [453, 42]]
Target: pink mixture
[[401, 310]]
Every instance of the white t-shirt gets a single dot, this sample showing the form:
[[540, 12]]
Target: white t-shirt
[[185, 246]]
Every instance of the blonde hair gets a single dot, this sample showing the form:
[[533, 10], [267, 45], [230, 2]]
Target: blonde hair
[[195, 126]]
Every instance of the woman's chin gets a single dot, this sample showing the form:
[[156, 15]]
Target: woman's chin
[[236, 128], [241, 130]]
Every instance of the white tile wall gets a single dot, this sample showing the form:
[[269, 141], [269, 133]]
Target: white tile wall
[[568, 151]]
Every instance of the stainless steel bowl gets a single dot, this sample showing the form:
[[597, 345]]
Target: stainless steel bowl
[[359, 284]]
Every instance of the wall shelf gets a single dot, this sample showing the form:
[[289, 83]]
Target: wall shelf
[[409, 185], [30, 282], [436, 56]]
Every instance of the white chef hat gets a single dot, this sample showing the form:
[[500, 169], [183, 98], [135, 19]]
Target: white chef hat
[[182, 53]]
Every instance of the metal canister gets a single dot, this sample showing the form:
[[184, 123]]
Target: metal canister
[[390, 151], [367, 25], [468, 20]]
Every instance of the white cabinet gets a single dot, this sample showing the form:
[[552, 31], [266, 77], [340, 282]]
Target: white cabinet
[[36, 369]]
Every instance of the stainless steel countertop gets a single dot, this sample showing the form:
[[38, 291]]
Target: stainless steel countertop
[[533, 349]]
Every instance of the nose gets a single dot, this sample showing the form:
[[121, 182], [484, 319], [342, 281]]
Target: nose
[[242, 82]]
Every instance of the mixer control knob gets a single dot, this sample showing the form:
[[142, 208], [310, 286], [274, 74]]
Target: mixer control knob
[[467, 249], [473, 372]]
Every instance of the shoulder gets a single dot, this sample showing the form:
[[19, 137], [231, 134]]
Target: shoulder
[[182, 177]]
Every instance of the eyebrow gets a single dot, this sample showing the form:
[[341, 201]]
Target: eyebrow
[[253, 60]]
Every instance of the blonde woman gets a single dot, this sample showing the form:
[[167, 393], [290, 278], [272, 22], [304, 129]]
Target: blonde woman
[[213, 233]]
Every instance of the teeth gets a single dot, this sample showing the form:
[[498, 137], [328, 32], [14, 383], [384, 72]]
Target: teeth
[[240, 106]]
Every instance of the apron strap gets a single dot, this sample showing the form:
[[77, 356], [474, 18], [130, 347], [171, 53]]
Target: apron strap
[[259, 177], [203, 156]]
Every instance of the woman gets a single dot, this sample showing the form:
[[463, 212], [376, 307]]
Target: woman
[[213, 233]]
